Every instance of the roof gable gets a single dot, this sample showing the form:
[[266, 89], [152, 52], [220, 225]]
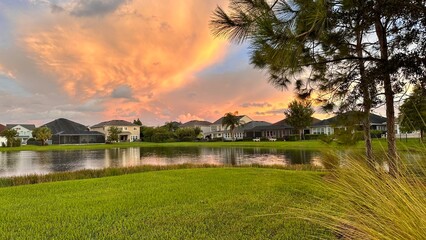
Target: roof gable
[[374, 118], [282, 123], [114, 123], [219, 121], [353, 115], [27, 126], [194, 123], [254, 124], [65, 126]]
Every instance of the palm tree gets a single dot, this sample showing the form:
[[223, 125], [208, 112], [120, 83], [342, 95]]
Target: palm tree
[[10, 135], [231, 121], [42, 134]]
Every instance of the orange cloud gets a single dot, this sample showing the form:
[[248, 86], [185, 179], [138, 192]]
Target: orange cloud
[[133, 59], [151, 47], [7, 73]]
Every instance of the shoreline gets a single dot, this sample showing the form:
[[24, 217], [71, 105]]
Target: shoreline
[[411, 145]]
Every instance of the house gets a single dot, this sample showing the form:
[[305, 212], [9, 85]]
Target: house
[[329, 126], [65, 131], [279, 129], [130, 132], [25, 131], [217, 130], [3, 140], [325, 126], [203, 125], [246, 130]]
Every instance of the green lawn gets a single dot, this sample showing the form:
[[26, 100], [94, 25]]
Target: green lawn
[[215, 203], [378, 144]]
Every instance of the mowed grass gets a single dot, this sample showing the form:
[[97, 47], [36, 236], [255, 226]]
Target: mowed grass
[[378, 145], [213, 203]]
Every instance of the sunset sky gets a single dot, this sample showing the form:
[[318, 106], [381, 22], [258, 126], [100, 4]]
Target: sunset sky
[[97, 60]]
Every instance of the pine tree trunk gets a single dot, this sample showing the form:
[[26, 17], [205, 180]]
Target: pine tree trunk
[[365, 87], [389, 95]]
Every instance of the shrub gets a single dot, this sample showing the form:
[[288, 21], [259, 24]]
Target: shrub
[[326, 138], [187, 139], [216, 140], [313, 136], [158, 134], [34, 142], [16, 142], [186, 134], [162, 136], [376, 134], [147, 133], [293, 137], [348, 137]]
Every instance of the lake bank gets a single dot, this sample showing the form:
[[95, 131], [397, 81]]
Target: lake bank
[[378, 144], [232, 203], [118, 171]]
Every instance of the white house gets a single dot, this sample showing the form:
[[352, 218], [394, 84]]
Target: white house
[[203, 125], [25, 131], [129, 132], [328, 126], [3, 140]]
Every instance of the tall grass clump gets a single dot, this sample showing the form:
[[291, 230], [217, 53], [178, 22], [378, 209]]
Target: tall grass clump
[[371, 204]]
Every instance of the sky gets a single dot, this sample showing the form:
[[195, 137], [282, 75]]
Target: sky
[[97, 60]]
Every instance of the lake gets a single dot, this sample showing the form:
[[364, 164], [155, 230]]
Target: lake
[[30, 162]]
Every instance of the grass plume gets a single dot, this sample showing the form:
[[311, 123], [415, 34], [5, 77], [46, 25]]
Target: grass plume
[[371, 204]]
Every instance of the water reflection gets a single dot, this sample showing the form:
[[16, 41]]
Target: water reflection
[[28, 162]]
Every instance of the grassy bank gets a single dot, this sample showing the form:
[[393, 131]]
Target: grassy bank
[[378, 144], [117, 171], [212, 203]]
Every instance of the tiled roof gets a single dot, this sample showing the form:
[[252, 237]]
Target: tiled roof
[[64, 126], [271, 127], [285, 124], [114, 123], [282, 123], [2, 127], [374, 119], [219, 121], [27, 126], [250, 126], [254, 124], [194, 123]]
